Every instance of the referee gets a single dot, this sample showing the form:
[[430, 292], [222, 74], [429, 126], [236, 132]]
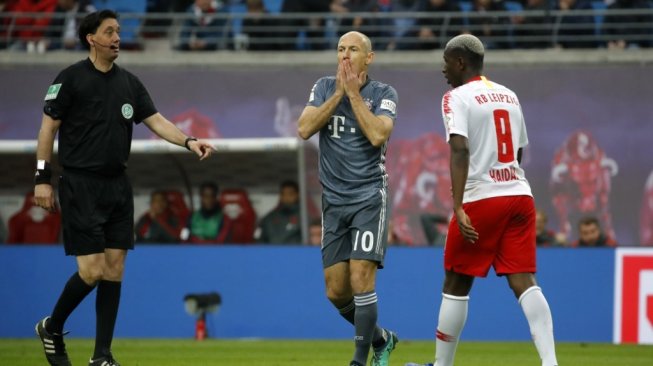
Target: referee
[[94, 105]]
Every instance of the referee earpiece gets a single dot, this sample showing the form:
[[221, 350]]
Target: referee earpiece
[[89, 39]]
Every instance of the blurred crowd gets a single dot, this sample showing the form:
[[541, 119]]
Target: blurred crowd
[[223, 217], [228, 217], [207, 25]]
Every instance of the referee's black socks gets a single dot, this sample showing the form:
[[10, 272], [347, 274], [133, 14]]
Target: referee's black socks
[[106, 309], [73, 293]]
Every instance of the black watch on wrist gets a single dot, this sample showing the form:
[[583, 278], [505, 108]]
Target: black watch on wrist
[[189, 139]]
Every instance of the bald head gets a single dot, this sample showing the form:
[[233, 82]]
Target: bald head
[[366, 43]]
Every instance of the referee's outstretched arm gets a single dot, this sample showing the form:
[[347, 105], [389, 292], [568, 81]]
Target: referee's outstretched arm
[[169, 132]]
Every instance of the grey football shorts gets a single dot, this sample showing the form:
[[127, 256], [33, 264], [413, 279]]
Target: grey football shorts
[[356, 231]]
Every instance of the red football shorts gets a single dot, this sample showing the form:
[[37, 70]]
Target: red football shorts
[[506, 238]]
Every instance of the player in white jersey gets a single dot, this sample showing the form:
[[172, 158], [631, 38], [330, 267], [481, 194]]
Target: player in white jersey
[[494, 213]]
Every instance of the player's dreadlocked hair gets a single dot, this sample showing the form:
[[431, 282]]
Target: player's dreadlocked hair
[[470, 47]]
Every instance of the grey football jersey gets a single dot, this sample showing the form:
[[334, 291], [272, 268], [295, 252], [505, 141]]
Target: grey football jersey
[[351, 168]]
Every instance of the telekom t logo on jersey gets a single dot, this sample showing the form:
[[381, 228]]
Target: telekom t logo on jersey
[[337, 126]]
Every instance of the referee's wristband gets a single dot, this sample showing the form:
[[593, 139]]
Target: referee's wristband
[[43, 173], [189, 139]]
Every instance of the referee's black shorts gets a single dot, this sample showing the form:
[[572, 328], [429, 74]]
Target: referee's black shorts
[[97, 213]]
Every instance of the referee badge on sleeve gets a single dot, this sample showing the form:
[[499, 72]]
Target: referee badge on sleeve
[[127, 111], [53, 91]]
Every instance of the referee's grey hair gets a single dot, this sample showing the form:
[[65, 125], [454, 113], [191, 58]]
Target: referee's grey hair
[[466, 42], [366, 39]]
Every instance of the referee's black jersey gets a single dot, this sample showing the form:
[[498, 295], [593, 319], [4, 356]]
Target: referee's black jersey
[[97, 112]]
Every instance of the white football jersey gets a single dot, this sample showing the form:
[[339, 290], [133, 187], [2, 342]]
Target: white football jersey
[[490, 116]]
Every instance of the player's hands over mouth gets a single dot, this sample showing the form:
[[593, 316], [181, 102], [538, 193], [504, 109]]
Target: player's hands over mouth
[[340, 80], [44, 196], [352, 82], [202, 148], [465, 226]]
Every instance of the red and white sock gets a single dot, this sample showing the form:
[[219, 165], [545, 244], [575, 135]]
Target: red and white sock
[[539, 319], [453, 314]]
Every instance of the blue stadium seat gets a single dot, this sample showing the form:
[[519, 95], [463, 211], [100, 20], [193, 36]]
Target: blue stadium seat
[[514, 6], [600, 7], [465, 5], [273, 6], [237, 22]]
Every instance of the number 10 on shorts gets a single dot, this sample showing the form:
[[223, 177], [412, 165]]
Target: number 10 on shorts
[[366, 241]]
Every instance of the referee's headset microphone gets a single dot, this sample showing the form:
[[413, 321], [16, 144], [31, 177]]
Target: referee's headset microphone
[[94, 42], [100, 44]]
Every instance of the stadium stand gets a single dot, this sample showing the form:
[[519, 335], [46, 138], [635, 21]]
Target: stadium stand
[[34, 225], [178, 205], [273, 6], [237, 205], [236, 23], [291, 30], [599, 7], [146, 175], [130, 21]]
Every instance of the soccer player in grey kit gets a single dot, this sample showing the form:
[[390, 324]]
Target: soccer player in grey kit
[[355, 116]]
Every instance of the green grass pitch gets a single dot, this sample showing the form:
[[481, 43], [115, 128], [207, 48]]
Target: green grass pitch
[[216, 352]]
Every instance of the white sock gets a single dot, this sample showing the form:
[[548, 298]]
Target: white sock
[[453, 314], [539, 318]]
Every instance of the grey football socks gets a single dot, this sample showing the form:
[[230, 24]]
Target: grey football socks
[[378, 339], [365, 322]]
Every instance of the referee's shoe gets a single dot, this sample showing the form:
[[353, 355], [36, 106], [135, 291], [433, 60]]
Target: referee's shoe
[[104, 361], [55, 349]]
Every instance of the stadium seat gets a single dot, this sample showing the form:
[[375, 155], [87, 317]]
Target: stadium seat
[[34, 225], [599, 7], [465, 5], [237, 22], [273, 6], [178, 205], [514, 6], [237, 206]]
